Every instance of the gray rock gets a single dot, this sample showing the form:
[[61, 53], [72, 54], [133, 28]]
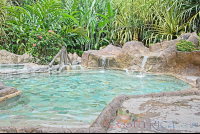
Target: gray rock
[[7, 57], [194, 38], [7, 90], [198, 82], [2, 84], [2, 87]]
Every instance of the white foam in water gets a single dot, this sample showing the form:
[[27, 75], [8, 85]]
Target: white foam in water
[[127, 72]]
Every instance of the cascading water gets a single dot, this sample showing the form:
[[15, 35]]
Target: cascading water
[[103, 64], [143, 65], [144, 62]]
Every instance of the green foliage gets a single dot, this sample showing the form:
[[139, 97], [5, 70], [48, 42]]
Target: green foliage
[[80, 53], [68, 50], [185, 46], [44, 44], [1, 47], [199, 39], [77, 51], [89, 24], [98, 47], [72, 50]]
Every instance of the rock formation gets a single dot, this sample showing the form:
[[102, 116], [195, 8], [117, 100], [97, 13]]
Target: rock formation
[[5, 90], [162, 57], [7, 58]]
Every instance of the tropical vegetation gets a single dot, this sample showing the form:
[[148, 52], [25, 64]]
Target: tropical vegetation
[[186, 46], [41, 27]]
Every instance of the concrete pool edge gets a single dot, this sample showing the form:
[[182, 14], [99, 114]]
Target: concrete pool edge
[[109, 112]]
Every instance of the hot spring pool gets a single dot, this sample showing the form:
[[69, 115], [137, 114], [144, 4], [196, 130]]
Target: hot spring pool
[[74, 98]]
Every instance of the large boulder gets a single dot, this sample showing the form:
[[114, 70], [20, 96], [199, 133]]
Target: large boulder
[[155, 47], [183, 57], [131, 54], [84, 59], [25, 58], [10, 58], [74, 56], [7, 57], [100, 58], [169, 55], [195, 58], [166, 44]]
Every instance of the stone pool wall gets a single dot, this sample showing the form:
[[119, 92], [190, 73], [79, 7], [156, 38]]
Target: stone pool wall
[[161, 57]]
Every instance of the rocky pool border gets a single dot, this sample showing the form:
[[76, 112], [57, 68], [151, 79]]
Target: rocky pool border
[[109, 112]]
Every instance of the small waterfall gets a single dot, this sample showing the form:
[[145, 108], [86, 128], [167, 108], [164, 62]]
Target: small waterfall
[[143, 65], [103, 62], [144, 62]]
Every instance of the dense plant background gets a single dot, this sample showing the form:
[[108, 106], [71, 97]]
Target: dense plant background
[[90, 24]]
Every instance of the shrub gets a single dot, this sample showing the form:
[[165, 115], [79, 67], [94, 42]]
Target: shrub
[[14, 49], [98, 47], [68, 50], [104, 43], [1, 48], [93, 48], [72, 50], [185, 46], [44, 44], [80, 53], [77, 52]]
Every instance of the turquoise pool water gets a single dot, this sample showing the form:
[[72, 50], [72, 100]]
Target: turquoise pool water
[[75, 97], [11, 66]]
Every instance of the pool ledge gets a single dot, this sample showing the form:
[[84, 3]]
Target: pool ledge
[[108, 114], [10, 95]]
